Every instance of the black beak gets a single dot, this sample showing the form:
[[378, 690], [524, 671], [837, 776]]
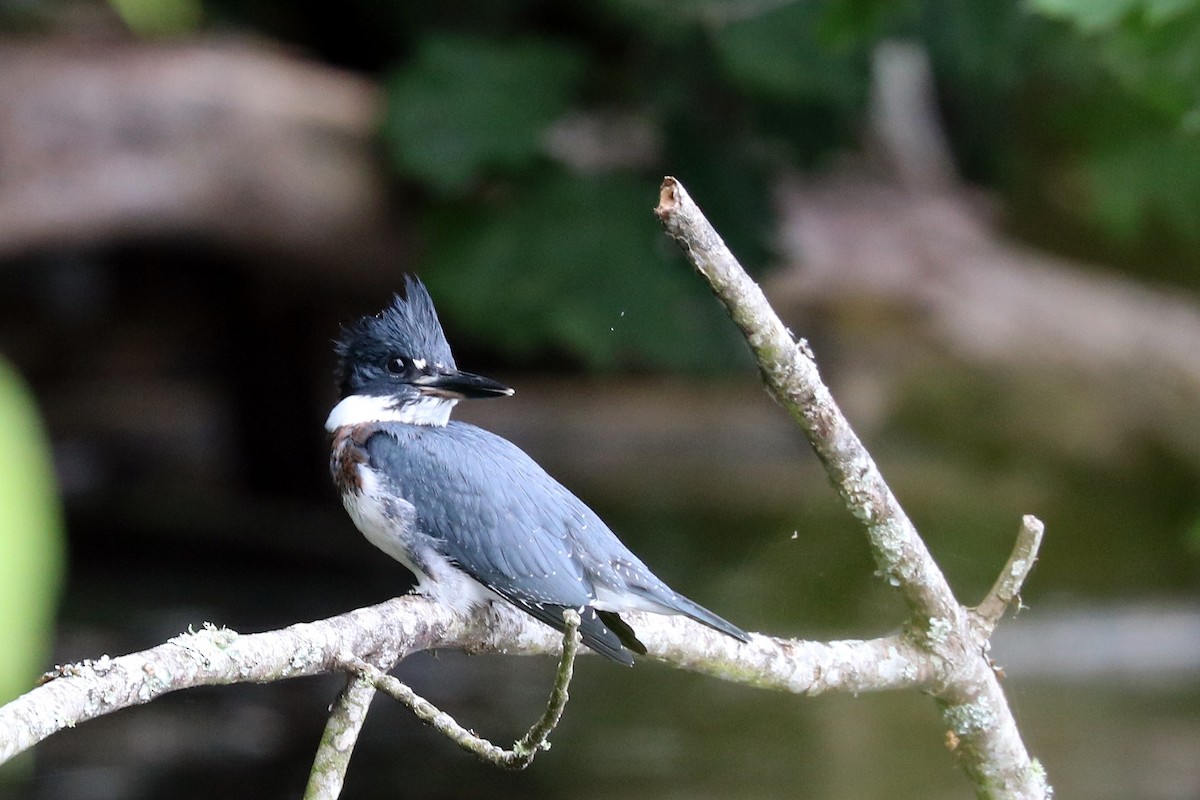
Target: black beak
[[461, 386]]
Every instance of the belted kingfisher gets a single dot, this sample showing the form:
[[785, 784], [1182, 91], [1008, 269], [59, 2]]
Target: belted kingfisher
[[472, 516]]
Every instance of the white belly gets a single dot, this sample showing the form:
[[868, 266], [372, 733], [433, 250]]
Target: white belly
[[389, 523]]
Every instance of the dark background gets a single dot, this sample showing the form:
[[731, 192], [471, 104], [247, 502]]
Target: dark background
[[193, 196]]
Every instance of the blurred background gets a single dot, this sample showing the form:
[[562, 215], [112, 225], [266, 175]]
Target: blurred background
[[983, 216]]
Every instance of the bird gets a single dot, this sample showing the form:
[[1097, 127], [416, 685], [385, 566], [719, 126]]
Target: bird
[[473, 517]]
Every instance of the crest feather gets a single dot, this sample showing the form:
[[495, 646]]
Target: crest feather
[[409, 327]]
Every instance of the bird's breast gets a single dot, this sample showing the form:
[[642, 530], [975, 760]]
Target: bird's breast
[[349, 452], [377, 508], [377, 505]]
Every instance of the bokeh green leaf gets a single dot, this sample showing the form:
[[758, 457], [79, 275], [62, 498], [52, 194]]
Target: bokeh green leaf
[[782, 54], [1096, 15], [159, 17], [465, 104], [31, 539], [576, 268]]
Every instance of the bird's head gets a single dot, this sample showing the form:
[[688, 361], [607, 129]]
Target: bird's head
[[397, 365]]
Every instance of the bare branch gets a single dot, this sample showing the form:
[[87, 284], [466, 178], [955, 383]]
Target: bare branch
[[1008, 584], [339, 738], [941, 651], [428, 713], [986, 738], [219, 656], [988, 745], [791, 375], [405, 625]]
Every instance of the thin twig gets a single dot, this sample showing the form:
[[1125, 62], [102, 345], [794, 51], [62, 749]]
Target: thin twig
[[426, 711], [524, 750], [536, 738], [1007, 588], [345, 722]]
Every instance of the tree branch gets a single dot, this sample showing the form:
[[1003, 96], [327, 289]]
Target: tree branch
[[525, 749], [346, 719], [942, 649], [1008, 584], [987, 741], [790, 373], [405, 625]]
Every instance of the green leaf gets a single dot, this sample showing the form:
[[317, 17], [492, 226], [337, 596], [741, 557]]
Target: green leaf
[[31, 540], [576, 267], [1087, 15], [780, 54], [1091, 16], [465, 105], [1157, 63], [1155, 178], [159, 17], [852, 21], [1159, 11]]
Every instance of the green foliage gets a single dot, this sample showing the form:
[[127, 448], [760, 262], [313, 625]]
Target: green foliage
[[579, 264], [159, 17], [1153, 178], [1149, 48], [1098, 15], [1136, 123], [781, 54], [465, 104], [31, 540], [1084, 113], [1086, 110]]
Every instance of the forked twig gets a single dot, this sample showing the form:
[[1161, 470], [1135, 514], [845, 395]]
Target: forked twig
[[527, 747], [973, 705]]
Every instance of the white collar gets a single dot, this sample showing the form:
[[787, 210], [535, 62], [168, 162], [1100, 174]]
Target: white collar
[[361, 408]]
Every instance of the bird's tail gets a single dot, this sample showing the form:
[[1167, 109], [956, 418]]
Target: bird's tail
[[609, 635], [603, 632], [690, 608]]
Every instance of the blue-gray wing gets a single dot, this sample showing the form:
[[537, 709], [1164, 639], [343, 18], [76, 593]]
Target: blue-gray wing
[[495, 513]]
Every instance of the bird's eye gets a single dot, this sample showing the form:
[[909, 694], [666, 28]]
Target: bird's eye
[[396, 365]]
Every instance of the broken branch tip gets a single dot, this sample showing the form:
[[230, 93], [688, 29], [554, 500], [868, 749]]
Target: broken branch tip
[[668, 198]]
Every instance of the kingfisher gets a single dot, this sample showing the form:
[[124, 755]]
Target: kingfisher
[[473, 517]]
